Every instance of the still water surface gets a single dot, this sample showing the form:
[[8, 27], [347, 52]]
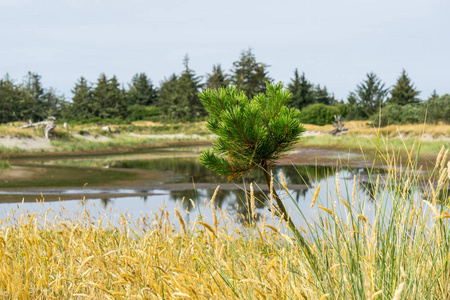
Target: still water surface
[[182, 176]]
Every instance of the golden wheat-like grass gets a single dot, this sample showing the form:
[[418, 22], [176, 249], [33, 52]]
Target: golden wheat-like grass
[[398, 251]]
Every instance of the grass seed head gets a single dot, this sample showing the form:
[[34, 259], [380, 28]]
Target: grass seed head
[[252, 202], [315, 196], [283, 181], [438, 158]]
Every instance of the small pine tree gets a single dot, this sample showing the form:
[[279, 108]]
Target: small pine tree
[[251, 134], [404, 91]]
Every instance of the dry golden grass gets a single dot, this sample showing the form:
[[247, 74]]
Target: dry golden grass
[[365, 128], [399, 250], [12, 129]]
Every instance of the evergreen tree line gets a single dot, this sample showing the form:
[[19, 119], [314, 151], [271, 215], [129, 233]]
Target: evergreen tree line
[[177, 97]]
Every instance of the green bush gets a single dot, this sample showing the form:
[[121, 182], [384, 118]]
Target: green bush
[[435, 109], [344, 109], [318, 114], [438, 109], [398, 114], [390, 114], [355, 112], [413, 114], [141, 112]]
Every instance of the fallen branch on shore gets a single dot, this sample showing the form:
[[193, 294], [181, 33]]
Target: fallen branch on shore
[[49, 124], [338, 126]]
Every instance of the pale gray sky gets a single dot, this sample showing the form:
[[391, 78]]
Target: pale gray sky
[[334, 42]]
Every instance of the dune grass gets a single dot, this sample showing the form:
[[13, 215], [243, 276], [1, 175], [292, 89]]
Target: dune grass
[[392, 244]]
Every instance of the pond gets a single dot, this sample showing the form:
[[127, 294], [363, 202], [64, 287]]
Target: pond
[[137, 184]]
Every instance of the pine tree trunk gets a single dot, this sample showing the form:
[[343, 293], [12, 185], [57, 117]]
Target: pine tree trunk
[[283, 213]]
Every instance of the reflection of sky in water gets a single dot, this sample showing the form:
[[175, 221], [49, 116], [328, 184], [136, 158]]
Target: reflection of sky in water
[[233, 202], [305, 179]]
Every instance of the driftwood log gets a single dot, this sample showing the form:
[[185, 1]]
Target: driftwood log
[[49, 124], [338, 126]]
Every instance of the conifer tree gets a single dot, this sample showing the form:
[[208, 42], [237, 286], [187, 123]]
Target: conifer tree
[[167, 95], [40, 103], [321, 95], [100, 97], [188, 86], [108, 98], [81, 107], [217, 78], [141, 91], [249, 75], [251, 134], [368, 96], [404, 91], [178, 96], [34, 95], [117, 99], [302, 91], [11, 102]]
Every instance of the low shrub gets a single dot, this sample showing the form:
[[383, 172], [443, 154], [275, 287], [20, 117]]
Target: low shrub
[[438, 109], [141, 112], [319, 114]]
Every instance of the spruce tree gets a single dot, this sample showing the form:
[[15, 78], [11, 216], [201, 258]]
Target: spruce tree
[[100, 97], [188, 86], [302, 91], [34, 95], [368, 96], [251, 134], [141, 91], [249, 75], [81, 107], [11, 102], [217, 78], [178, 97], [404, 91], [117, 99], [321, 95], [167, 96], [108, 98]]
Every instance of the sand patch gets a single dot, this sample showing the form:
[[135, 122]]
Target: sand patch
[[26, 143]]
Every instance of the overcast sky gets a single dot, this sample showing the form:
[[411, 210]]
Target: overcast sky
[[334, 42]]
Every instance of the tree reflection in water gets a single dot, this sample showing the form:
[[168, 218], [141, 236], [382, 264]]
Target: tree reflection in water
[[189, 169], [184, 170], [105, 202]]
